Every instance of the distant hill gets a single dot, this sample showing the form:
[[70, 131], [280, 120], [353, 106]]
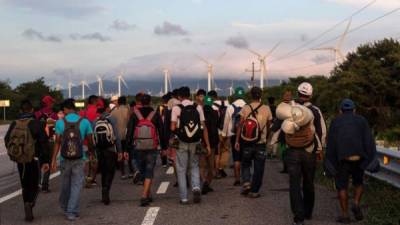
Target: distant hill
[[155, 87]]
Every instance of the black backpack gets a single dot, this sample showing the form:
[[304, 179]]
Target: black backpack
[[235, 118], [104, 136], [189, 130], [212, 127], [72, 143], [221, 114]]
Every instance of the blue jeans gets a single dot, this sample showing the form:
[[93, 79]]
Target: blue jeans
[[72, 178], [185, 154], [253, 155]]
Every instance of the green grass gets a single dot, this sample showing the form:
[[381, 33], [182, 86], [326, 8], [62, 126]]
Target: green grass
[[381, 200]]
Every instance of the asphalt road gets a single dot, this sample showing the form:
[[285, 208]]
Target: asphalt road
[[223, 207]]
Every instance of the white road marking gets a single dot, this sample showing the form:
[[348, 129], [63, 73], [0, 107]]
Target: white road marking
[[163, 187], [151, 216], [170, 170], [19, 192]]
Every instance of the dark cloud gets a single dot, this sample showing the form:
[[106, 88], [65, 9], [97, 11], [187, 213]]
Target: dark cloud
[[69, 9], [321, 59], [237, 42], [34, 34], [169, 29], [91, 36], [122, 25]]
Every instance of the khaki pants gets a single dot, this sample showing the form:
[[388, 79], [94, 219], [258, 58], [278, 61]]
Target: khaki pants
[[224, 151]]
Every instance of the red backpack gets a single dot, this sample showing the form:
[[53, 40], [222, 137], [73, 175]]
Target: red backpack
[[145, 135], [251, 130]]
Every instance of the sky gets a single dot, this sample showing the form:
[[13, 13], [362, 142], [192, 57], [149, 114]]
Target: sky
[[75, 39]]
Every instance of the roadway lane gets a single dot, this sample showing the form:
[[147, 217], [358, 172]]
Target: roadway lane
[[224, 206]]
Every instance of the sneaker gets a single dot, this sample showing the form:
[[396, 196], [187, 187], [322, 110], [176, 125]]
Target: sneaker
[[144, 202], [184, 201], [130, 175], [246, 190], [196, 196], [210, 189], [140, 182], [357, 213], [136, 177], [124, 177], [105, 198], [71, 217], [204, 189], [223, 173], [28, 212], [237, 183], [45, 189], [254, 195], [344, 220]]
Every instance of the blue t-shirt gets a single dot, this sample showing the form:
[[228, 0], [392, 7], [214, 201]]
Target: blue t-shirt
[[85, 126]]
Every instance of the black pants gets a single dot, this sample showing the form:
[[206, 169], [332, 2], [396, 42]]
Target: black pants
[[108, 166], [301, 168], [255, 155], [29, 174], [45, 178]]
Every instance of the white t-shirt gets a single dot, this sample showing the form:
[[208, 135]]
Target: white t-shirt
[[228, 124], [176, 111]]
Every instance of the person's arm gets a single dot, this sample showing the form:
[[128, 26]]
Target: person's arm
[[42, 143], [331, 159], [238, 130], [89, 135], [174, 118], [56, 149], [129, 133]]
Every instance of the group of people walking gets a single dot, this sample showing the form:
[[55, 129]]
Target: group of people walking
[[197, 136]]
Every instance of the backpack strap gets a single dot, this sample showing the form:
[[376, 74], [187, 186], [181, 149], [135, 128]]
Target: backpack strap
[[151, 115], [138, 114]]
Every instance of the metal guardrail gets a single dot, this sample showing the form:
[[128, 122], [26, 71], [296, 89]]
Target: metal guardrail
[[390, 166]]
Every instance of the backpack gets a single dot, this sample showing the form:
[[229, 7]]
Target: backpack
[[48, 123], [21, 146], [251, 130], [72, 143], [235, 118], [211, 123], [221, 114], [189, 130], [304, 136], [104, 136], [145, 134]]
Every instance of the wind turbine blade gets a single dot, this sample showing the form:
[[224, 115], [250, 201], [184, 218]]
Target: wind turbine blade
[[202, 59], [340, 43], [273, 49], [324, 49], [254, 52], [220, 57], [124, 82]]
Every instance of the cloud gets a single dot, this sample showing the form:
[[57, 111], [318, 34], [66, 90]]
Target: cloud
[[169, 29], [68, 8], [237, 42], [380, 4], [122, 25], [91, 36], [304, 38], [321, 59], [187, 40], [34, 34]]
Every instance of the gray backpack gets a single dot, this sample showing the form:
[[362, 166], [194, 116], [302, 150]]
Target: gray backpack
[[145, 135], [21, 146]]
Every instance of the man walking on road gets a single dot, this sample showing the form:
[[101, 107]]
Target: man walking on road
[[71, 131], [350, 151], [36, 148], [251, 139], [301, 160], [187, 122]]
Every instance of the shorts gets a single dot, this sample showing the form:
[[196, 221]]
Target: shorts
[[147, 162], [347, 169], [236, 155]]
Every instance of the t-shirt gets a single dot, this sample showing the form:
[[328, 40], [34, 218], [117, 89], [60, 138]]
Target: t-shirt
[[85, 126], [228, 124], [263, 116], [176, 111]]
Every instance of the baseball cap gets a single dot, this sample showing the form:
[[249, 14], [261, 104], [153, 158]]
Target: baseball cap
[[305, 88], [347, 104], [239, 92], [208, 100]]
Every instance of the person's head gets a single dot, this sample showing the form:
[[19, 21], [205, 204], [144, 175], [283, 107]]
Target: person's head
[[68, 106], [208, 101], [175, 93], [255, 93], [213, 94], [287, 97], [26, 106], [239, 93], [165, 98], [347, 105], [122, 100], [104, 108], [132, 104], [92, 100], [138, 98], [201, 93], [271, 101], [305, 91], [114, 100], [146, 100], [184, 92]]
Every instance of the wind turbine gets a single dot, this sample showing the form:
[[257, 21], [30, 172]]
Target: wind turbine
[[167, 80], [263, 66], [337, 51], [100, 85], [84, 84], [58, 87], [230, 88], [70, 84], [210, 70], [121, 81]]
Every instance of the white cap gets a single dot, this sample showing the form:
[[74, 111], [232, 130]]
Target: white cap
[[114, 98], [305, 88]]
